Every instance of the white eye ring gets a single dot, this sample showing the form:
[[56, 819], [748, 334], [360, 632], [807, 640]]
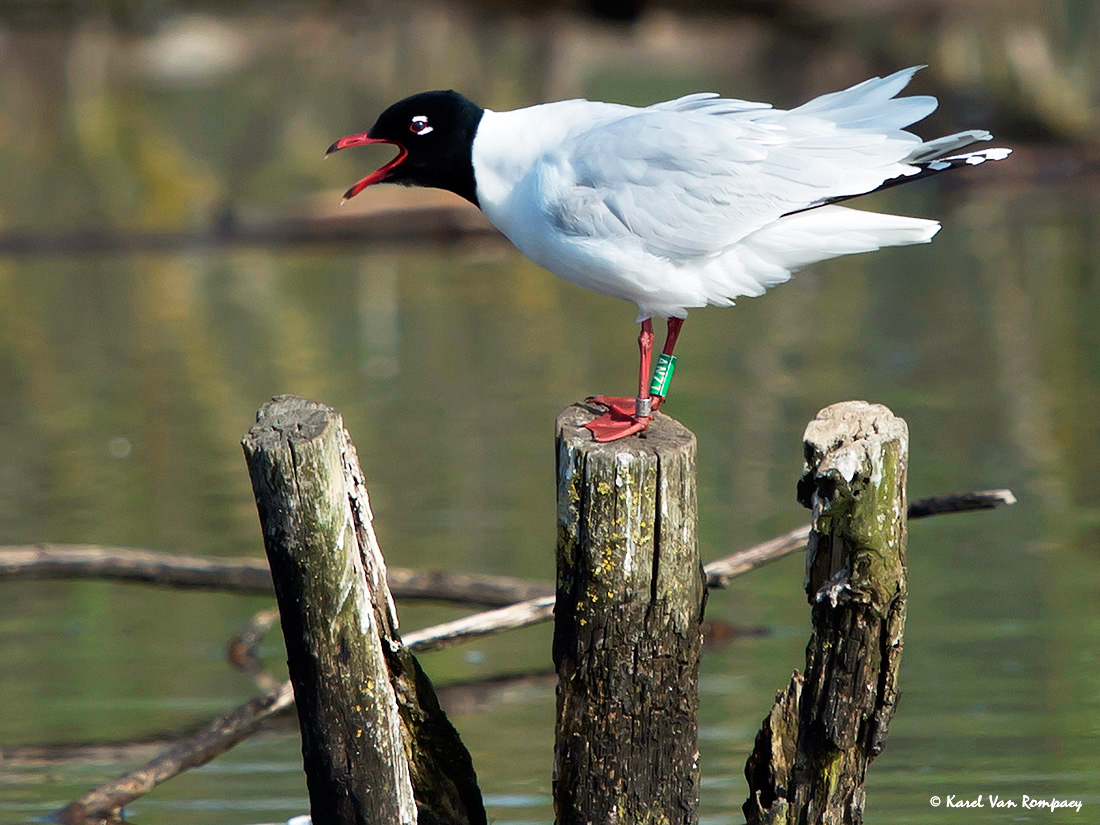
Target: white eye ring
[[419, 125]]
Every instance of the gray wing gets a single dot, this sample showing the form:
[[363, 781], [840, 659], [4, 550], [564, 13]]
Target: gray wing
[[693, 176]]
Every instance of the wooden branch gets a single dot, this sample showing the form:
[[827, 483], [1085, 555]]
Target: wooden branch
[[960, 503], [127, 564], [479, 590], [246, 576], [523, 614], [217, 737], [721, 571], [395, 228]]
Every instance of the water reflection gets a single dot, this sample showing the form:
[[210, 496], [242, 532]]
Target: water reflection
[[126, 381]]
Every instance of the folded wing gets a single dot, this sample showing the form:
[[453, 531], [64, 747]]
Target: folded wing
[[690, 178]]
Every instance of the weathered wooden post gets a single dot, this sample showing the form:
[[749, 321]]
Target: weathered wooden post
[[377, 748], [812, 752], [626, 633]]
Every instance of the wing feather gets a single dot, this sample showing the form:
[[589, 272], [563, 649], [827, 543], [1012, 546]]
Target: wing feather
[[686, 185], [702, 199]]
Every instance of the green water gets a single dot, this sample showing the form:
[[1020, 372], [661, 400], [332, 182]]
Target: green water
[[127, 381]]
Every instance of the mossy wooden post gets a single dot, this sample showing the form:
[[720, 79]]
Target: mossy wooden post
[[812, 752], [377, 748], [626, 633]]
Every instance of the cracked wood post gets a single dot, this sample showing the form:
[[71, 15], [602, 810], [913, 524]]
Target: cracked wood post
[[377, 748], [812, 752], [626, 627]]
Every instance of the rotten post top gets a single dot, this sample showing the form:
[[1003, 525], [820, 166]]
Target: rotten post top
[[855, 484]]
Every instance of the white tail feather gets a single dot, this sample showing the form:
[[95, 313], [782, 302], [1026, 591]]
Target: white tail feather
[[769, 255], [872, 105]]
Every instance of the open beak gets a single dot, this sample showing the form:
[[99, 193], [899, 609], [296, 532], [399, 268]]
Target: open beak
[[378, 175]]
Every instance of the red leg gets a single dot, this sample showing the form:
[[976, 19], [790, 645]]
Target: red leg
[[626, 416], [645, 357], [674, 326]]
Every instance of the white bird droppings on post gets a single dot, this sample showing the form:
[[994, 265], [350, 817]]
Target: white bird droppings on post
[[876, 461], [848, 463], [623, 466]]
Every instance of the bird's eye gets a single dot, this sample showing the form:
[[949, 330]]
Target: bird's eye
[[419, 125]]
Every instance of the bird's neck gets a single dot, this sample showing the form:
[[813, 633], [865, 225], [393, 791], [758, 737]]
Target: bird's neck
[[509, 145]]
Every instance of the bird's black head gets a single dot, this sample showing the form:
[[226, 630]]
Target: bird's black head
[[434, 132]]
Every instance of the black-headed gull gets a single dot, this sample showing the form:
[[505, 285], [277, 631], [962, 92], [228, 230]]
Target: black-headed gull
[[695, 201]]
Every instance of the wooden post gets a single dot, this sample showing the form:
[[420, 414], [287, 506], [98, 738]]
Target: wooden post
[[626, 633], [812, 752], [377, 748]]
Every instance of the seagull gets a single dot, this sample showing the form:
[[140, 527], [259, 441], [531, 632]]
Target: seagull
[[692, 202]]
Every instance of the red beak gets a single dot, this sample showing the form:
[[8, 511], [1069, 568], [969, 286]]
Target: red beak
[[374, 177]]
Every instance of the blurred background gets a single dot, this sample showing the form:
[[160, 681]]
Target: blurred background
[[159, 162]]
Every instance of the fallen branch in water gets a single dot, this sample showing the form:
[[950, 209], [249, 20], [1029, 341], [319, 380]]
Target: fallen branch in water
[[216, 738], [251, 576], [521, 614], [238, 575], [720, 571], [960, 503], [127, 564], [462, 697], [395, 228]]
